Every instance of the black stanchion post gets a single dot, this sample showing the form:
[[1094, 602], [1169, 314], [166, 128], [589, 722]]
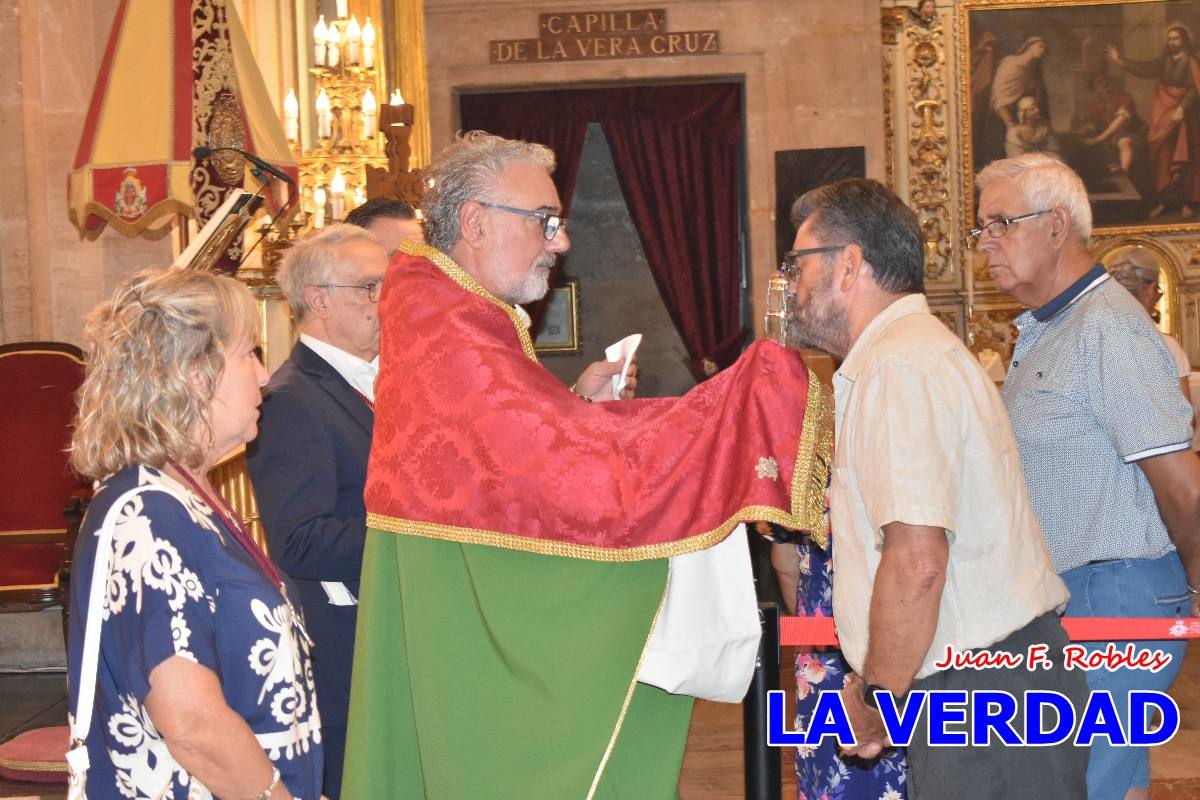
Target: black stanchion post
[[762, 762]]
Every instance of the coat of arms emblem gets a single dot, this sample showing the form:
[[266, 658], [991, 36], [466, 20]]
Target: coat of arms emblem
[[130, 203]]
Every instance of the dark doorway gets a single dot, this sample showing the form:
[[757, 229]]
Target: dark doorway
[[677, 157]]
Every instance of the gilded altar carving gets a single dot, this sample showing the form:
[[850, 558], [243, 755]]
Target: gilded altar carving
[[993, 329], [889, 134], [927, 160], [916, 62]]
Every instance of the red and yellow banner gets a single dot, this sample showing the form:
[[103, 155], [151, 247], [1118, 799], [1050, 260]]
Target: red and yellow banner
[[175, 75]]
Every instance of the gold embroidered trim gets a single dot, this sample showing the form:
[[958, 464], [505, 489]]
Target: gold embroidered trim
[[813, 461], [71, 356], [460, 276], [612, 742], [34, 766]]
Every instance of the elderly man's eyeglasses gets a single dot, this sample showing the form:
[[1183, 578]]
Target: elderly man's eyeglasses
[[790, 267], [551, 223], [373, 289], [999, 226]]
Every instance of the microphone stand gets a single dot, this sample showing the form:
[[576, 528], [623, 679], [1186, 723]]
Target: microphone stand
[[264, 181], [263, 171]]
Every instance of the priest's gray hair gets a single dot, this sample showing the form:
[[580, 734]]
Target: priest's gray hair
[[467, 170], [1047, 183], [313, 261]]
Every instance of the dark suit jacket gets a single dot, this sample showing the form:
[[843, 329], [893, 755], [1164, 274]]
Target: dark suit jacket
[[309, 466]]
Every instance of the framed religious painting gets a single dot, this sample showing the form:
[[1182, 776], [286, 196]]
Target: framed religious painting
[[559, 328], [1108, 86]]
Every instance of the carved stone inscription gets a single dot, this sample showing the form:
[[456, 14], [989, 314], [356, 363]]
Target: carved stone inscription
[[598, 35]]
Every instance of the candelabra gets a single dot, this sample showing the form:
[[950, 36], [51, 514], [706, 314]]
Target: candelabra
[[347, 147]]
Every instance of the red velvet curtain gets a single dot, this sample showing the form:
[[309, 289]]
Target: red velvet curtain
[[509, 115], [676, 154]]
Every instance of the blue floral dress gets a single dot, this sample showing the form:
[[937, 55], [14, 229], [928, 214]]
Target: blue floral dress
[[179, 584], [822, 774]]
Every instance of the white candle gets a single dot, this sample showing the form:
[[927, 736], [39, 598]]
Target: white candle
[[319, 211], [324, 116], [320, 33], [360, 196], [291, 117], [353, 36], [396, 99], [369, 109], [333, 53], [337, 189], [343, 9], [368, 40]]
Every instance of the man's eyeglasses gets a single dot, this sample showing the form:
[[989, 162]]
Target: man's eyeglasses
[[373, 289], [790, 267], [551, 223], [999, 226]]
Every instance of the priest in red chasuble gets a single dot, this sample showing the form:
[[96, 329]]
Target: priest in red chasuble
[[519, 535]]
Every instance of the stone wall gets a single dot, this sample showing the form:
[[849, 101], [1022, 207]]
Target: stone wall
[[812, 72]]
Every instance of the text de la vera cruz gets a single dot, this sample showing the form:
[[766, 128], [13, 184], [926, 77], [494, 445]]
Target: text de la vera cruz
[[584, 36]]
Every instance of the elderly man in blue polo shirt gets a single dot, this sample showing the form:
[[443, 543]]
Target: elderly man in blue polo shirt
[[1101, 425]]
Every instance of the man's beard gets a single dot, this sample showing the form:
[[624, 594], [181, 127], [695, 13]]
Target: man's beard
[[535, 284], [819, 324]]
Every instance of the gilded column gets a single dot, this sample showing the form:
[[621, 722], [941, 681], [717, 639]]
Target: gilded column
[[409, 73]]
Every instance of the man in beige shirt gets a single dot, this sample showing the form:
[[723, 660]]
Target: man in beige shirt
[[936, 546]]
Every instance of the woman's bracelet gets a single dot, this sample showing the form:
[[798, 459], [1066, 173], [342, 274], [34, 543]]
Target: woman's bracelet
[[585, 398], [1191, 590], [265, 794]]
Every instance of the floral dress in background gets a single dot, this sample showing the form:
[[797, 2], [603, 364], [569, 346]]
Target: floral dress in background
[[822, 774]]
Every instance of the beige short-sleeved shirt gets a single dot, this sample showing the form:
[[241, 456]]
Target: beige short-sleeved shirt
[[923, 438]]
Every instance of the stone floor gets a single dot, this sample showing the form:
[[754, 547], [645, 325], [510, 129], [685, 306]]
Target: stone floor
[[712, 767]]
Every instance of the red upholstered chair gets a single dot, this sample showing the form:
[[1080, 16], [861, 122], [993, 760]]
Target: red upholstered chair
[[38, 381]]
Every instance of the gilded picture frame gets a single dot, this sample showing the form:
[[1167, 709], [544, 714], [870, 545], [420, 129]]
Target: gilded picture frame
[[1098, 83], [559, 328]]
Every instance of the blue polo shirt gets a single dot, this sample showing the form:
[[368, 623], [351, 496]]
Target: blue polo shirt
[[1091, 391]]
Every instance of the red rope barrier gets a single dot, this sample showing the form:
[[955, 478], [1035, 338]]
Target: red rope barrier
[[819, 631]]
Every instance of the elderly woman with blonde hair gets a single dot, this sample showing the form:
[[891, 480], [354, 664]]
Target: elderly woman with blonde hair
[[188, 666]]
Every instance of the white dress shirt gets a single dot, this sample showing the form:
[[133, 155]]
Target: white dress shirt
[[356, 372], [360, 375]]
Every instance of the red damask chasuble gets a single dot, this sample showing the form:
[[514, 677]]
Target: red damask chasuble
[[476, 442]]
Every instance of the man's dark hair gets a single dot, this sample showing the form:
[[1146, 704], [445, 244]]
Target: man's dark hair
[[867, 213], [379, 207]]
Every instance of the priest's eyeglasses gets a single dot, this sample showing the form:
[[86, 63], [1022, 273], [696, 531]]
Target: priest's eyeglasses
[[551, 223], [999, 226], [373, 289], [790, 267]]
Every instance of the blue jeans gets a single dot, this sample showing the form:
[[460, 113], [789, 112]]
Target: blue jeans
[[1127, 588]]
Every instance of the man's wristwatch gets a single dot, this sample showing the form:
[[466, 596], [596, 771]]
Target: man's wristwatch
[[868, 694]]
